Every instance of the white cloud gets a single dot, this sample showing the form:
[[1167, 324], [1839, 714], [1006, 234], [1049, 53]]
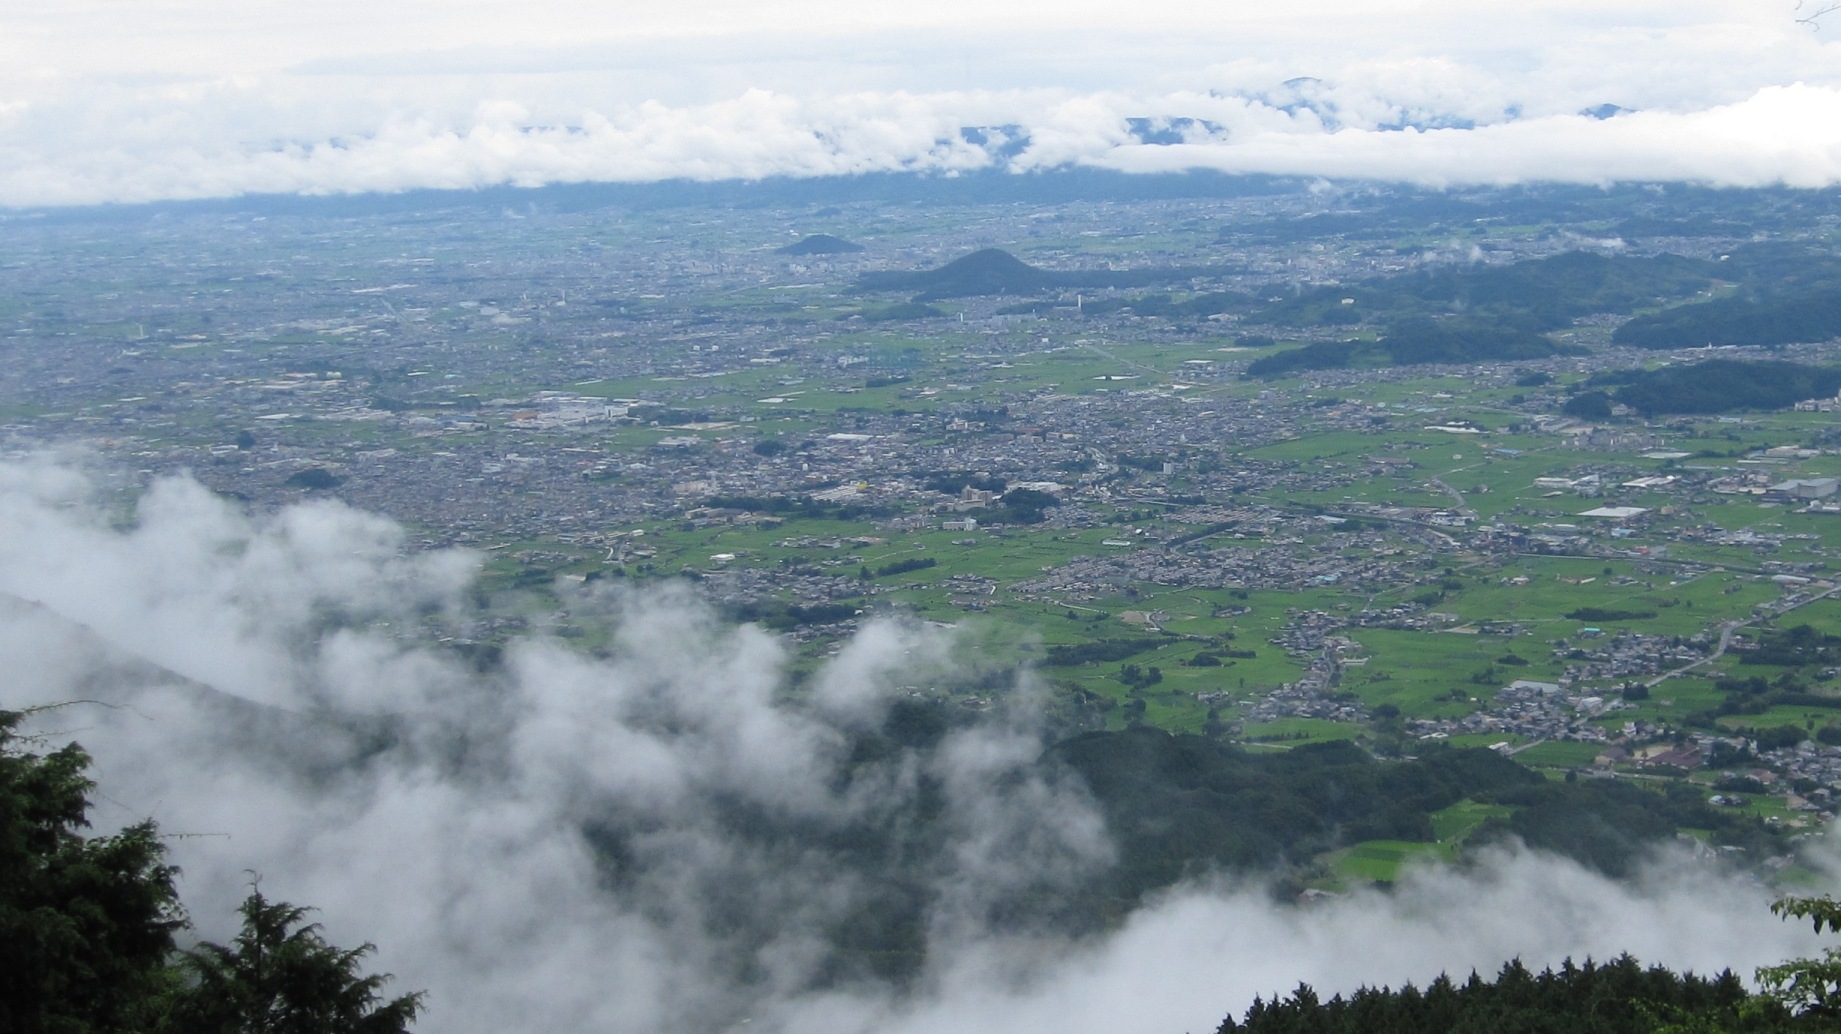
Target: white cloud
[[105, 101], [1781, 136]]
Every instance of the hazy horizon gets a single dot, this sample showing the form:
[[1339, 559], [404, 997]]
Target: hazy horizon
[[105, 102]]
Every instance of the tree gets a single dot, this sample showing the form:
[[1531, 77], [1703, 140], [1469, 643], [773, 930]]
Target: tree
[[1809, 987], [86, 922], [279, 976], [87, 926], [1590, 405], [1615, 997]]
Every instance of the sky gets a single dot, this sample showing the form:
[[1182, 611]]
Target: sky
[[468, 844], [142, 100]]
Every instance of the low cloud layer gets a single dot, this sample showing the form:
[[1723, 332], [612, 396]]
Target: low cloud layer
[[1728, 92], [560, 843]]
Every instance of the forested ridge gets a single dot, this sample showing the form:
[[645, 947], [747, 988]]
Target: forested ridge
[[1617, 997], [1813, 315], [1719, 385], [1416, 341], [1476, 314], [1541, 294], [1181, 805]]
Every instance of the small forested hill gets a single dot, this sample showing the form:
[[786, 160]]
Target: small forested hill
[[1720, 385], [1618, 997], [1544, 293], [820, 244], [1416, 341], [991, 271], [1608, 824], [994, 271]]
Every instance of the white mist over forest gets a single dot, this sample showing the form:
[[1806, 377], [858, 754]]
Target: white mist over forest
[[550, 843]]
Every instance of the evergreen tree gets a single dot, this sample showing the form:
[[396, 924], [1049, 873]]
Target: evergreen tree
[[86, 922], [1617, 997], [279, 976], [87, 925]]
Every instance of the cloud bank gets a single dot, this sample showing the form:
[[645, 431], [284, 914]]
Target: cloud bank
[[572, 843], [1726, 92]]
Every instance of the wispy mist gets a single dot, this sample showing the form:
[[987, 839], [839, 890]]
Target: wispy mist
[[669, 837]]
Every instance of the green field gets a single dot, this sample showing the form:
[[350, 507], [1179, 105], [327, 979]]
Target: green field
[[1381, 861]]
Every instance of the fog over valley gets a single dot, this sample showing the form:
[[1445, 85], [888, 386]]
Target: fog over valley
[[666, 837]]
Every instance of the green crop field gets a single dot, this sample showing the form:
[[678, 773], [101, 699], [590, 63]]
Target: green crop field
[[1451, 825], [1381, 861]]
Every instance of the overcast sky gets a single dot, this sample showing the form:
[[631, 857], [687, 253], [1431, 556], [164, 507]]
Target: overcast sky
[[131, 100]]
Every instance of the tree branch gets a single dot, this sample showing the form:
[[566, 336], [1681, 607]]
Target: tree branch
[[1816, 12]]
